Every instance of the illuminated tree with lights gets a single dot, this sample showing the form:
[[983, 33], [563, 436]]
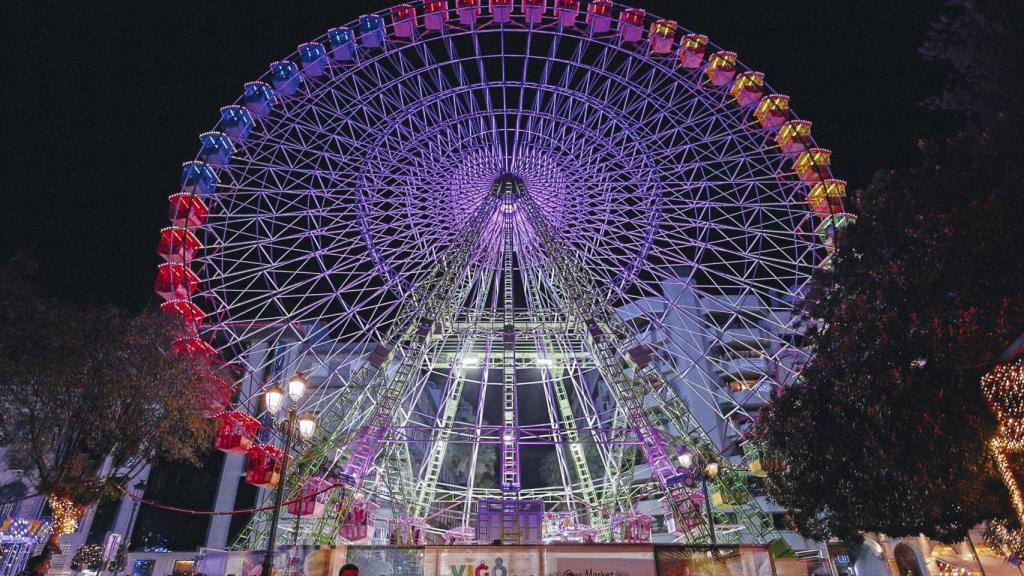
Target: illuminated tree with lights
[[1004, 389], [89, 395], [88, 557]]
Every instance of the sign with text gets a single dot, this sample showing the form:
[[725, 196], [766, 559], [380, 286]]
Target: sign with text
[[482, 561], [698, 561], [292, 560], [553, 560], [384, 561], [607, 560]]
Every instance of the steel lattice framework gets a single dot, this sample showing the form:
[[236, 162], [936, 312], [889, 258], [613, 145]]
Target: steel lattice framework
[[561, 236]]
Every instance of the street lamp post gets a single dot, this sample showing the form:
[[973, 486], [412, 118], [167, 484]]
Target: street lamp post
[[274, 397], [702, 472]]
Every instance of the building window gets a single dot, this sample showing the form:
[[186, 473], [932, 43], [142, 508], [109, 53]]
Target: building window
[[658, 524], [11, 495], [736, 353], [143, 567], [743, 384], [779, 519]]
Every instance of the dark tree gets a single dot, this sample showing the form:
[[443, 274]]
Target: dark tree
[[89, 395], [980, 41], [886, 430]]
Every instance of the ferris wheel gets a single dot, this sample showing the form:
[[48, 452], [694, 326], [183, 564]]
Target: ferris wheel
[[521, 253]]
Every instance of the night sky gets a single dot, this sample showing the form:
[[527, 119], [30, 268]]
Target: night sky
[[103, 101]]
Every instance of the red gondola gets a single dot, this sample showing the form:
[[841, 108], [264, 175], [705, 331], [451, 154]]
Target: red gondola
[[175, 281], [501, 11], [263, 465], [691, 50], [236, 432], [534, 10], [190, 314], [599, 16], [177, 245], [315, 491], [403, 20], [631, 24], [358, 524], [468, 10], [193, 346], [187, 209], [632, 528], [435, 14], [407, 531], [662, 35], [566, 12]]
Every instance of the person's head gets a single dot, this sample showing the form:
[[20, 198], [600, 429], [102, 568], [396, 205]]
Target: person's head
[[39, 564], [349, 570]]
